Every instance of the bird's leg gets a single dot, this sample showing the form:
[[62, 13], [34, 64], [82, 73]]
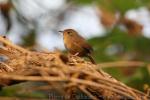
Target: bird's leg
[[76, 54], [5, 67], [73, 55]]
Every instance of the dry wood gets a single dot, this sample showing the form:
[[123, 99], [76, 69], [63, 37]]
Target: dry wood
[[68, 73]]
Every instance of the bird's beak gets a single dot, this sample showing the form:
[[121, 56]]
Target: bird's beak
[[61, 31]]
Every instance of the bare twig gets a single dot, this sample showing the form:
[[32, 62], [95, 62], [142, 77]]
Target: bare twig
[[122, 64], [88, 93], [3, 40]]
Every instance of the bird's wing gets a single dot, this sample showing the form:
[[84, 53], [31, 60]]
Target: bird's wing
[[84, 46], [77, 44], [87, 48], [81, 43]]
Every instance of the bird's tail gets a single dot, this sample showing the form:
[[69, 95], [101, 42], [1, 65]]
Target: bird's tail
[[91, 58]]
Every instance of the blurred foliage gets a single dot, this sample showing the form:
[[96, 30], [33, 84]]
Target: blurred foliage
[[82, 1], [117, 45], [116, 5], [29, 40], [123, 43]]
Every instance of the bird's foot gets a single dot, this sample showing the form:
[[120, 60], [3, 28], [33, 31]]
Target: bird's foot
[[73, 55], [76, 54]]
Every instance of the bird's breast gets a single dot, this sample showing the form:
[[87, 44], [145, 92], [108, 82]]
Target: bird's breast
[[72, 46]]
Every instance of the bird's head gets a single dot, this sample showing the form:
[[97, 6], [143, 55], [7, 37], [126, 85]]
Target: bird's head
[[69, 32]]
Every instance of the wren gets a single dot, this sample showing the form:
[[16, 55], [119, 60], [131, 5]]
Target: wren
[[76, 44]]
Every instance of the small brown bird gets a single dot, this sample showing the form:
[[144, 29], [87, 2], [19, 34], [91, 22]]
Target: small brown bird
[[76, 44]]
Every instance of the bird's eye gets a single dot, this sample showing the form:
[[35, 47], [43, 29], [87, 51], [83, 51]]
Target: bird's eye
[[69, 33]]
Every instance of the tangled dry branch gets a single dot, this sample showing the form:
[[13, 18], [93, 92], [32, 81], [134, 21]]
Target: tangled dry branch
[[71, 73]]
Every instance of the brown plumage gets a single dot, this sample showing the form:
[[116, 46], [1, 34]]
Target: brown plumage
[[76, 44]]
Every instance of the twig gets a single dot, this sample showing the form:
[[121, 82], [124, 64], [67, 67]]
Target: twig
[[121, 64], [5, 67], [101, 86], [31, 78], [88, 93], [3, 40]]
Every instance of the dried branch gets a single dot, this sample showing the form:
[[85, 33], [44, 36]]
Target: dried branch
[[65, 73], [122, 64]]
